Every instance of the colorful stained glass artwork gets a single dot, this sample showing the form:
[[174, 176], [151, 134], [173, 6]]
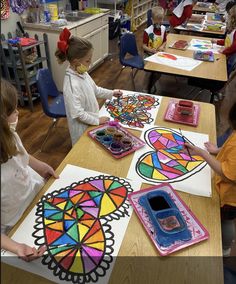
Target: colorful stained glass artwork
[[73, 223], [133, 110], [167, 162]]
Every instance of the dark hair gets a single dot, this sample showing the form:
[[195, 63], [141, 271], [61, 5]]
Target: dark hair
[[8, 105], [77, 49], [232, 116], [229, 5]]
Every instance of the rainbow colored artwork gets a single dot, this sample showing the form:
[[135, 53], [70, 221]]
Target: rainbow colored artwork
[[167, 162], [73, 223], [132, 110]]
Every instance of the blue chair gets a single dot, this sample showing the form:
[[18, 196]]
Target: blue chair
[[129, 56], [55, 107]]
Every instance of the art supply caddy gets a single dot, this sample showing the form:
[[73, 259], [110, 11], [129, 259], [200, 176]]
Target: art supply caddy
[[118, 141], [168, 221]]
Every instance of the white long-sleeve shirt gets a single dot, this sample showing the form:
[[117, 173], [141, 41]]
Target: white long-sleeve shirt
[[80, 95], [19, 185]]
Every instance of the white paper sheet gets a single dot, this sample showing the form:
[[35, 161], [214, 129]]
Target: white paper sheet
[[203, 45], [196, 180], [132, 112], [172, 60], [69, 175]]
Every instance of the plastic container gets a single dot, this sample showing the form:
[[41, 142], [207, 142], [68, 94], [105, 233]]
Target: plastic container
[[53, 9]]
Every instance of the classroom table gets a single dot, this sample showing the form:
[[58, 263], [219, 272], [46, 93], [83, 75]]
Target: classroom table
[[216, 71], [138, 261], [196, 28], [203, 10]]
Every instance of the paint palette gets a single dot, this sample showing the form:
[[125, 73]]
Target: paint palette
[[116, 139], [170, 224], [179, 44], [204, 55], [182, 114]]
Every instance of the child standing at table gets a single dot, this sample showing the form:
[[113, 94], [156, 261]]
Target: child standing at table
[[182, 13], [79, 89], [230, 40], [22, 176], [154, 40], [224, 166]]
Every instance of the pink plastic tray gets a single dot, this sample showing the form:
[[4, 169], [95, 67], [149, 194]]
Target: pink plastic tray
[[171, 114], [199, 233], [136, 142]]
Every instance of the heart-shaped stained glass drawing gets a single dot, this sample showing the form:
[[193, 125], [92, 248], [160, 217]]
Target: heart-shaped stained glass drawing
[[73, 224], [132, 110], [168, 162]]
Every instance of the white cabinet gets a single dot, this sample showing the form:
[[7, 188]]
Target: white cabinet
[[95, 30], [96, 40], [105, 41]]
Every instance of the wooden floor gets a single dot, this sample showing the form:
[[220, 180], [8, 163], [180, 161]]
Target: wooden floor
[[33, 126]]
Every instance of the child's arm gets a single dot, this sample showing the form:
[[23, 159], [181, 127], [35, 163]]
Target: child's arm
[[212, 162], [232, 48], [23, 251], [148, 49], [43, 169]]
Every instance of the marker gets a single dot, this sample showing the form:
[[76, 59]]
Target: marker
[[180, 131]]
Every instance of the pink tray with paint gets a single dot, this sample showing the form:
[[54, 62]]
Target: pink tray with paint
[[172, 115], [118, 141], [198, 232]]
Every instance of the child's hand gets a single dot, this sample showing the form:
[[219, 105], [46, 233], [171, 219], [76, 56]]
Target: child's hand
[[211, 148], [194, 150], [103, 119], [117, 93], [46, 171], [28, 253]]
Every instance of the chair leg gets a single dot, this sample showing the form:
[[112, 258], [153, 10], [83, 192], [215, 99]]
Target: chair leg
[[133, 74], [54, 123]]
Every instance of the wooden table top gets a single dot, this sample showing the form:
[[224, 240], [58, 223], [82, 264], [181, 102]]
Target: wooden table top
[[216, 70], [204, 10], [136, 242]]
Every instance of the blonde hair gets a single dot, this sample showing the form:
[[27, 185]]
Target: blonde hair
[[231, 23], [77, 49], [158, 12], [8, 105]]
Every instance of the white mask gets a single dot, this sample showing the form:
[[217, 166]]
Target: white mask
[[13, 125]]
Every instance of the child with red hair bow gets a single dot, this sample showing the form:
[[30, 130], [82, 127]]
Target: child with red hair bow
[[79, 89]]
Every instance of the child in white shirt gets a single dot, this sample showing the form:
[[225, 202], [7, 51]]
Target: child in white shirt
[[22, 176], [79, 89]]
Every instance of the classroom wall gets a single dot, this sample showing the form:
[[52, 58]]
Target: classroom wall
[[9, 25]]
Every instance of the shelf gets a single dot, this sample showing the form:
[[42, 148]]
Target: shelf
[[5, 45], [141, 4], [18, 63]]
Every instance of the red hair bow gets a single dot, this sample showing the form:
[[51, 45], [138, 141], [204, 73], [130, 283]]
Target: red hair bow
[[62, 44]]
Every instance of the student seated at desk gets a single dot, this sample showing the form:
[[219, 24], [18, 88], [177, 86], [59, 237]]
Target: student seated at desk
[[154, 40], [182, 13], [230, 41], [79, 90], [224, 166], [22, 176]]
